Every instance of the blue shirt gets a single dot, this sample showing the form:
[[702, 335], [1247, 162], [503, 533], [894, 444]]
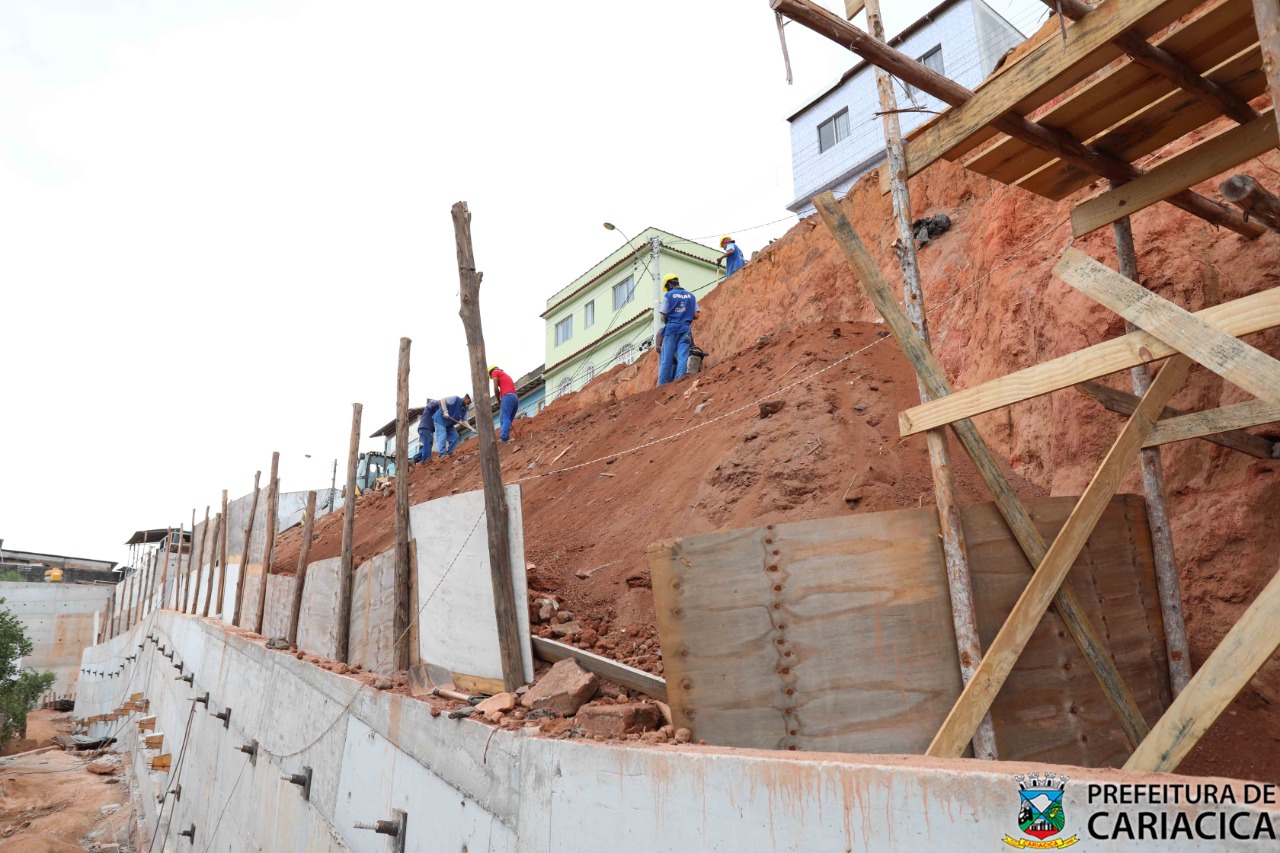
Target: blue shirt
[[679, 305], [735, 261], [453, 408], [428, 414]]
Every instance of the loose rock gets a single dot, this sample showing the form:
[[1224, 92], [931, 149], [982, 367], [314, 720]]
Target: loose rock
[[563, 690]]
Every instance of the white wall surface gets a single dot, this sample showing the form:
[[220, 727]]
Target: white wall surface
[[59, 620]]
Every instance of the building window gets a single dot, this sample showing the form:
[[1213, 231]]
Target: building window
[[931, 59], [566, 386], [626, 354], [588, 373], [623, 292], [564, 330], [833, 130], [589, 315]]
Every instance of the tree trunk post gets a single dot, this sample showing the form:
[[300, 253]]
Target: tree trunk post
[[403, 607], [300, 579], [244, 558], [346, 570], [193, 592], [222, 558], [273, 498], [218, 521]]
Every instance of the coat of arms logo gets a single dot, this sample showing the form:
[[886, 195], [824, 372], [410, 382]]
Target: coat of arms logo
[[1040, 813]]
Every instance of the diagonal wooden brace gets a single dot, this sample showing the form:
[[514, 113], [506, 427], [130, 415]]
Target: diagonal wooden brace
[[1232, 359], [1010, 505], [1004, 650]]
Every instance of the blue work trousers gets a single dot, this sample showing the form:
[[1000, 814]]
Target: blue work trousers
[[424, 442], [676, 341], [510, 402], [446, 434]]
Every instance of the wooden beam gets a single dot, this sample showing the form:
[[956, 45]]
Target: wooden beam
[[346, 568], [1243, 316], [1058, 143], [963, 614], [403, 607], [1167, 66], [1232, 359], [1011, 507], [852, 8], [214, 550], [1215, 422], [1266, 14], [1227, 424], [193, 592], [1005, 649], [1184, 170], [1248, 645], [272, 519], [244, 557], [220, 608], [300, 577], [1254, 199], [619, 673], [495, 499]]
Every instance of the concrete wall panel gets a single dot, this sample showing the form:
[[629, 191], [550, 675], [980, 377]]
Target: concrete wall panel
[[372, 619], [318, 624], [59, 620], [275, 620]]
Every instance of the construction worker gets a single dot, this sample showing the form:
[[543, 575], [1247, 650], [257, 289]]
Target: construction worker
[[426, 428], [732, 256], [679, 308], [504, 388], [451, 415]]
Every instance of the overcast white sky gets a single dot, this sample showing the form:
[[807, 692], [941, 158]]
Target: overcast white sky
[[218, 217]]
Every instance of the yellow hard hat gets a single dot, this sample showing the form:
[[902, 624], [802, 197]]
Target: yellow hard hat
[[668, 278], [725, 239], [492, 368]]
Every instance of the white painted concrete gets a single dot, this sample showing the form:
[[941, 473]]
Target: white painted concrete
[[60, 619], [468, 787]]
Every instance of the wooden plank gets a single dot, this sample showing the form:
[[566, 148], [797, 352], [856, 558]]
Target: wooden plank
[[1003, 652], [1243, 316], [495, 499], [147, 724], [1044, 72], [1226, 424], [1247, 646], [619, 673], [930, 375], [162, 762], [1266, 14], [1248, 368], [155, 741], [853, 7], [1213, 156], [860, 603]]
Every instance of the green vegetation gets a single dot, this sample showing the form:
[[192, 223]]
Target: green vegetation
[[12, 576], [19, 689]]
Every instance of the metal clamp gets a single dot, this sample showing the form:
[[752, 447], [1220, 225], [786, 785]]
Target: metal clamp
[[302, 780], [250, 749], [396, 828], [203, 700], [190, 678], [225, 716], [189, 832], [178, 666]]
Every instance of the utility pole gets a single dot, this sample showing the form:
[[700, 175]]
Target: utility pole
[[655, 266], [964, 619]]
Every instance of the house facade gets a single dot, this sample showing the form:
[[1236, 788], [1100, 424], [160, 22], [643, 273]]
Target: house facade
[[838, 137], [605, 316]]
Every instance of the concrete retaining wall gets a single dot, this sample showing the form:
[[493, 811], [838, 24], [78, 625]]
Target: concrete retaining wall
[[468, 787], [62, 620]]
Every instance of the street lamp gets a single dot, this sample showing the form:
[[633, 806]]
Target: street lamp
[[655, 245]]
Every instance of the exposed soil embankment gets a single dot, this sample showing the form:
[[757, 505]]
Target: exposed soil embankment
[[993, 308]]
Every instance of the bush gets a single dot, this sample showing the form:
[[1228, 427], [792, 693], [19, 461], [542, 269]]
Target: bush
[[19, 689]]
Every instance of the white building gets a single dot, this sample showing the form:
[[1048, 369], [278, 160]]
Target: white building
[[838, 137]]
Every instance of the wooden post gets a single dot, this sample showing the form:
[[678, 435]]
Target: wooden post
[[157, 600], [1247, 646], [193, 593], [222, 558], [1266, 14], [218, 521], [140, 590], [300, 581], [244, 558], [1253, 198], [273, 497], [1175, 629], [495, 499], [963, 617], [1007, 501], [184, 586], [346, 570], [403, 606]]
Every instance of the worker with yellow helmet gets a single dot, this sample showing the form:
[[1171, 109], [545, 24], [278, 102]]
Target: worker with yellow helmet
[[504, 388], [678, 311], [732, 256]]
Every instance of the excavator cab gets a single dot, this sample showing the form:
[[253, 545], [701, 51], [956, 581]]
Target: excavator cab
[[374, 470]]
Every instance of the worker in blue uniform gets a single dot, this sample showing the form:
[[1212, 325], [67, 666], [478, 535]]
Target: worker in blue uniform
[[732, 257], [451, 415], [426, 429], [679, 308]]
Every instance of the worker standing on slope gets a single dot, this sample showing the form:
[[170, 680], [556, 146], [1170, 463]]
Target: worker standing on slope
[[451, 415], [679, 308], [426, 428], [504, 388], [732, 256]]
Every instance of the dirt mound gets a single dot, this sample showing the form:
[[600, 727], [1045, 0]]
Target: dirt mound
[[993, 308]]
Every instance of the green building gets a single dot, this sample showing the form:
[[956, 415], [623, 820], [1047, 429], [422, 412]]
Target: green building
[[606, 316]]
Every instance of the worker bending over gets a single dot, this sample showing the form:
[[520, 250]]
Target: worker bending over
[[426, 427], [504, 388], [451, 415], [732, 257], [679, 308]]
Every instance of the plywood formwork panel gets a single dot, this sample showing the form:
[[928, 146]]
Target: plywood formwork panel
[[835, 634]]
